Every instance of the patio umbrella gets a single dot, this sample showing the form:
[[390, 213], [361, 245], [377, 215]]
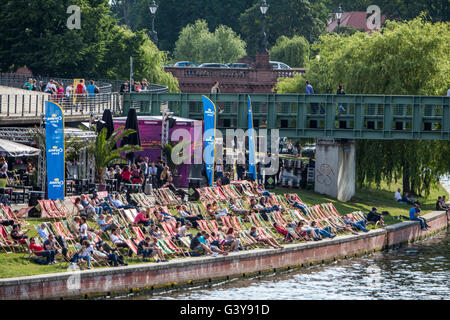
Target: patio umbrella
[[132, 139], [13, 149], [108, 122]]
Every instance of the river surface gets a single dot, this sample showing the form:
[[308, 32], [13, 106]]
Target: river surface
[[417, 271]]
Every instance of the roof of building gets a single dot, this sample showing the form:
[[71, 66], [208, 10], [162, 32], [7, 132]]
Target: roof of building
[[355, 19]]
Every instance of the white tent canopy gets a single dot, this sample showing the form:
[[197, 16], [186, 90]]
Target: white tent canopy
[[13, 149]]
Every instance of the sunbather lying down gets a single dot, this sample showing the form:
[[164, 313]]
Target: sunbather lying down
[[270, 241]]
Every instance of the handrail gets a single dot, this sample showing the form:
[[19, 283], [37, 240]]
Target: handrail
[[314, 116]]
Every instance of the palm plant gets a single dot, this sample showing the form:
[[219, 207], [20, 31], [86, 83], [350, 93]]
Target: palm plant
[[105, 153]]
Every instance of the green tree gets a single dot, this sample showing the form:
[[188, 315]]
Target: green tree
[[35, 34], [407, 58], [284, 17], [293, 51], [196, 43], [105, 153], [173, 15]]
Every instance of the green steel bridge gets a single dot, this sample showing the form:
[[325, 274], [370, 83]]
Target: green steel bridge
[[313, 116]]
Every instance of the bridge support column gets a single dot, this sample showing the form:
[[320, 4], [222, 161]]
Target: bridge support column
[[335, 168]]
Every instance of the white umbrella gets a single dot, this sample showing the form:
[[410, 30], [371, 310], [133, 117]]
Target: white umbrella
[[13, 149]]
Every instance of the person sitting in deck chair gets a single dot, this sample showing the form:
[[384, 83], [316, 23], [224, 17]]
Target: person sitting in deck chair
[[18, 235], [40, 252], [181, 230], [154, 231], [84, 254], [166, 216], [79, 207], [215, 213], [270, 241], [104, 251], [205, 239], [117, 203], [232, 241], [310, 231], [186, 215], [119, 241], [103, 224], [148, 248], [281, 230], [360, 225], [89, 207], [143, 218], [197, 248], [234, 208], [296, 204], [325, 232]]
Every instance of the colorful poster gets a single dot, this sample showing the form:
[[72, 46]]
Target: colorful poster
[[251, 142], [54, 142], [209, 116]]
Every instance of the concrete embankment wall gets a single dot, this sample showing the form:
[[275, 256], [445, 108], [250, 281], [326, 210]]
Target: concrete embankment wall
[[188, 270]]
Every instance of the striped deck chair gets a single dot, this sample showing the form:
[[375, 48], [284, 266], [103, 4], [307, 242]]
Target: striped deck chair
[[59, 227], [168, 229], [129, 216], [214, 226], [8, 245], [171, 245], [44, 212], [139, 235], [226, 221], [186, 241], [165, 248]]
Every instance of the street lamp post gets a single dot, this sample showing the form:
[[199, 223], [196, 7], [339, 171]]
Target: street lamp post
[[263, 39], [154, 35], [339, 16]]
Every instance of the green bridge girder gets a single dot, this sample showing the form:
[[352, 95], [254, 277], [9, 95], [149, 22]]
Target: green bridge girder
[[314, 116]]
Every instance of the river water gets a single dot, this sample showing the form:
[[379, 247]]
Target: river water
[[417, 271]]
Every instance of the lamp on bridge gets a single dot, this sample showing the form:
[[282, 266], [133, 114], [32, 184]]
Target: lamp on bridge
[[154, 35], [338, 17], [263, 39]]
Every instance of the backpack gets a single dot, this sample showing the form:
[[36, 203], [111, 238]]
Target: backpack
[[79, 89]]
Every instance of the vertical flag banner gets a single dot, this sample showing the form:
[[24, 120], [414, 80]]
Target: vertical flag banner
[[251, 142], [54, 142], [209, 115]]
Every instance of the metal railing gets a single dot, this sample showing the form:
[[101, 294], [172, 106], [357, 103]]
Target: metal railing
[[18, 80], [315, 116], [14, 106]]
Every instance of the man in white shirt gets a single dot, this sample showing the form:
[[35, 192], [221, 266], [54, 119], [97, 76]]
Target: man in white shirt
[[43, 232], [3, 165], [398, 195], [69, 90]]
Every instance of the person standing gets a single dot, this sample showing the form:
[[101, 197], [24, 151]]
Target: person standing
[[80, 90], [215, 88], [309, 88]]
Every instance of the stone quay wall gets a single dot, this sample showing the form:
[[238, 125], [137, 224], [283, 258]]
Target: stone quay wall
[[123, 280]]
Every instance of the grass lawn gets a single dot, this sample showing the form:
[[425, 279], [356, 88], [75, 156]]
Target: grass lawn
[[17, 264], [366, 198]]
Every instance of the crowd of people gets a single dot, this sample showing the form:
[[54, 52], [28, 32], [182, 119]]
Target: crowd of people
[[65, 93], [138, 86]]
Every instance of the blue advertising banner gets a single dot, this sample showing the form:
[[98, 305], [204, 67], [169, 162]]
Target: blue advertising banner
[[54, 142], [209, 115], [251, 142]]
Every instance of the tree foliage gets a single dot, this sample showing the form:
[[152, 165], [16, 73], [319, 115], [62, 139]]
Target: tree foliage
[[173, 15], [406, 58], [35, 34], [196, 43], [284, 18], [293, 51]]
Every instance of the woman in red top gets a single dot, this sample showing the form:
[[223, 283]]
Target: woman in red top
[[136, 174], [126, 175], [283, 231]]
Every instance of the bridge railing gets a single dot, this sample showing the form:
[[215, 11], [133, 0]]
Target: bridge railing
[[33, 105], [315, 116]]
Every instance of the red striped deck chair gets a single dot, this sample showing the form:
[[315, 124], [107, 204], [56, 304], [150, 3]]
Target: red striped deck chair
[[50, 206], [5, 242], [226, 221], [214, 226], [61, 232], [44, 212], [168, 229], [132, 246], [139, 234], [174, 247]]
